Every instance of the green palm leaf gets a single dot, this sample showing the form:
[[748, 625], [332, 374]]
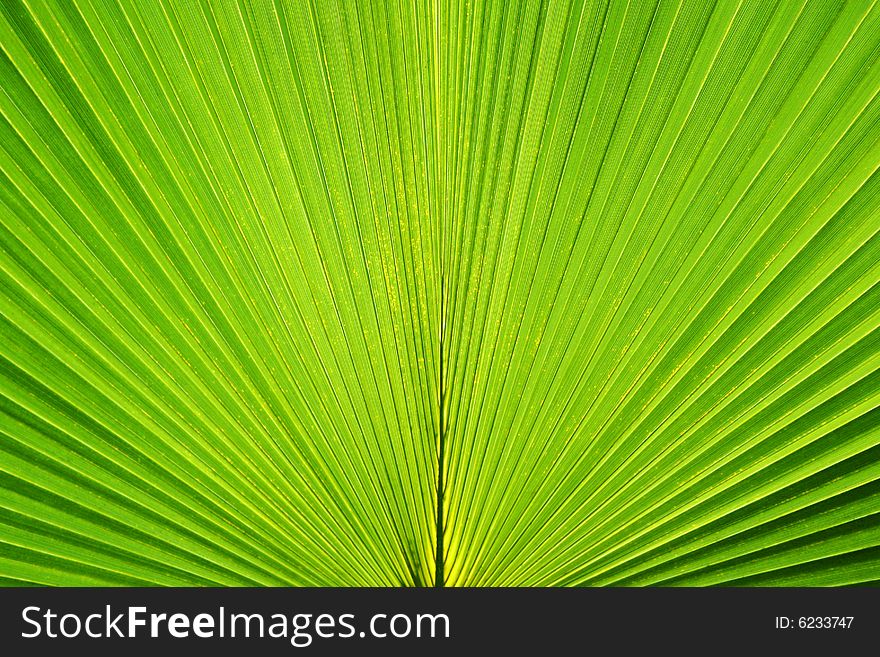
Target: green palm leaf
[[493, 293]]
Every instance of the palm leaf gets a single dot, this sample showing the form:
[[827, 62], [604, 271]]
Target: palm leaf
[[402, 293]]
